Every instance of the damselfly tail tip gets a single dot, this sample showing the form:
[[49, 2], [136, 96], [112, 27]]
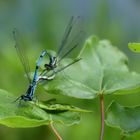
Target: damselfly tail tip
[[44, 52]]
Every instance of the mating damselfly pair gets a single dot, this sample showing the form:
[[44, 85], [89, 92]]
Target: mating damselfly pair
[[72, 39]]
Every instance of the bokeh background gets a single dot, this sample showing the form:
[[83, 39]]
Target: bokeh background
[[42, 24]]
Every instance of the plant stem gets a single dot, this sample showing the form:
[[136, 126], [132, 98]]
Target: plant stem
[[102, 116], [123, 137], [57, 135]]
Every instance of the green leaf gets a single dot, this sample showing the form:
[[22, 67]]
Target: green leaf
[[28, 114], [67, 86], [125, 118], [135, 47], [103, 68], [61, 107]]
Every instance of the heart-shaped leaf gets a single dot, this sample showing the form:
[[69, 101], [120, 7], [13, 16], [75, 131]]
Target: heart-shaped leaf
[[29, 114], [103, 69], [125, 118]]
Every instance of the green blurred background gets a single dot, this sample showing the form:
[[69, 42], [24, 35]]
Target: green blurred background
[[42, 24]]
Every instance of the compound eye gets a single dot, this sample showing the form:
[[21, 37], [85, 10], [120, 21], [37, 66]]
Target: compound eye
[[22, 96], [45, 65]]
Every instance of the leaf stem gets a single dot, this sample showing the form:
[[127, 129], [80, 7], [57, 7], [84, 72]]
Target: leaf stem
[[57, 135], [102, 116]]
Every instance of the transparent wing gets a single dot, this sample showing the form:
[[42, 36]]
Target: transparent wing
[[75, 44], [68, 65], [22, 56], [66, 35], [72, 39]]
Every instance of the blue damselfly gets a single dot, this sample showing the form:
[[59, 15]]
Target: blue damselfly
[[28, 96]]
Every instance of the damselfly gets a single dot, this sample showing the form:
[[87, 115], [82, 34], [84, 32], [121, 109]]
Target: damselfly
[[28, 96], [72, 39]]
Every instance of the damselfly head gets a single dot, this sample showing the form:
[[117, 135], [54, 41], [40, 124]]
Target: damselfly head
[[22, 97], [25, 98]]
